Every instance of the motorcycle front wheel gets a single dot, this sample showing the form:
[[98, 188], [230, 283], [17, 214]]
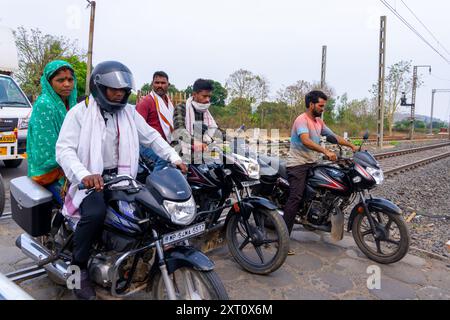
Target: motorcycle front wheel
[[190, 284], [265, 247], [391, 241]]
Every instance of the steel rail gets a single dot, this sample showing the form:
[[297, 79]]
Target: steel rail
[[415, 164]]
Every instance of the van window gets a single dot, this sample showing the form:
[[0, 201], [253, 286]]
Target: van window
[[10, 94]]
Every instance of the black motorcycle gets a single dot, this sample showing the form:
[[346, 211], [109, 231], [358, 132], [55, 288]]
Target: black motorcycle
[[376, 224], [143, 244], [255, 231]]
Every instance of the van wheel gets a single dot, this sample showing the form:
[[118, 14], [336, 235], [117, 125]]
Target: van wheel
[[12, 163], [2, 195]]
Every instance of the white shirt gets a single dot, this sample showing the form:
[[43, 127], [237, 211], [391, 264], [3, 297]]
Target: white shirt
[[68, 141]]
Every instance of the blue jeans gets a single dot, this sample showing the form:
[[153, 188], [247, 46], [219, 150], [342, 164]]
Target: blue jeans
[[150, 154], [55, 189]]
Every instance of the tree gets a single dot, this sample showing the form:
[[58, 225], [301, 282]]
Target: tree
[[354, 116], [244, 86], [294, 97], [147, 87], [398, 80], [36, 50], [80, 69], [273, 115], [219, 94]]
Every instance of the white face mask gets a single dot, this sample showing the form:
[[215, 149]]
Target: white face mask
[[201, 107]]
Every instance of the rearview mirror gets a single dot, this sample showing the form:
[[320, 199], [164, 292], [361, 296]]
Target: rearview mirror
[[366, 135]]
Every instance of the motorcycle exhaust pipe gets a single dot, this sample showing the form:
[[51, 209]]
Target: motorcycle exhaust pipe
[[38, 253]]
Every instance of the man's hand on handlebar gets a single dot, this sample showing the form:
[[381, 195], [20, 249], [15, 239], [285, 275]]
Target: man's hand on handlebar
[[200, 147], [93, 181], [331, 155], [180, 165]]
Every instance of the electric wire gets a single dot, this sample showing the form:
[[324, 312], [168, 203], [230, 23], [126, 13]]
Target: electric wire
[[426, 28], [413, 29]]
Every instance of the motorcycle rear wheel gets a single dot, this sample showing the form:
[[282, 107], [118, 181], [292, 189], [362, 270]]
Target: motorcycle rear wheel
[[190, 284], [269, 233], [395, 238]]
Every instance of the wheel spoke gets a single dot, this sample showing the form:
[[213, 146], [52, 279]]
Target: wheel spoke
[[378, 243], [268, 241], [366, 233], [393, 242], [388, 225], [259, 252], [245, 243]]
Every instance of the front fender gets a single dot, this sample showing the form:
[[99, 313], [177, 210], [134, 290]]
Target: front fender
[[250, 204], [374, 204], [180, 257]]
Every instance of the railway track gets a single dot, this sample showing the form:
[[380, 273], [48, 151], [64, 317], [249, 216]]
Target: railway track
[[392, 154], [413, 165]]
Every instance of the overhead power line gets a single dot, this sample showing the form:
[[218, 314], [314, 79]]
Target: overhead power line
[[426, 28], [413, 29]]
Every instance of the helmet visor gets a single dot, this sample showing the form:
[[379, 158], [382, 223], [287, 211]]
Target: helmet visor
[[116, 80]]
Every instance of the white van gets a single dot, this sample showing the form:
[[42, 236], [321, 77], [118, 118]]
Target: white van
[[15, 109]]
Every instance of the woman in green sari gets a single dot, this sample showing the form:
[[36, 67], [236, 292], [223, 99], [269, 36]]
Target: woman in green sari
[[58, 95]]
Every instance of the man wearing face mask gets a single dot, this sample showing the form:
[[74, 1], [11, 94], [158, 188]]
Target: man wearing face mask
[[305, 150], [191, 118]]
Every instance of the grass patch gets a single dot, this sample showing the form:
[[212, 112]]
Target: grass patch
[[394, 143]]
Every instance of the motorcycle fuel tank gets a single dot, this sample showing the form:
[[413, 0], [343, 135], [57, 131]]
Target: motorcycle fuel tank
[[329, 178]]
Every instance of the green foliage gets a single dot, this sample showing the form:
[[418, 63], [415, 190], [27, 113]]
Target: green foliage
[[353, 117], [236, 113], [147, 87], [132, 99], [357, 142], [219, 94], [272, 115], [36, 50], [394, 143]]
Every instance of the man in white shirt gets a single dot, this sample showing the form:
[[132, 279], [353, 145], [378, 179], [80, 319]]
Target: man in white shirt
[[98, 137]]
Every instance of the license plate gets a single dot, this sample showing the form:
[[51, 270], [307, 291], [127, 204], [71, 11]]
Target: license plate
[[8, 138], [247, 184], [3, 151], [184, 234]]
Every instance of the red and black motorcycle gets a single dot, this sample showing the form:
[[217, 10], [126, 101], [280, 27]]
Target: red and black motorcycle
[[376, 224]]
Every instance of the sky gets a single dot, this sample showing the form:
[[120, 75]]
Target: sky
[[281, 40]]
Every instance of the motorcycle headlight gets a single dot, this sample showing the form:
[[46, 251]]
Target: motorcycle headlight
[[377, 174], [252, 170], [251, 166], [23, 123], [181, 213]]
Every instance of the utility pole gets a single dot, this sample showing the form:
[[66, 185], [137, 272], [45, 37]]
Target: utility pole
[[381, 73], [324, 69], [91, 41], [433, 93], [413, 102]]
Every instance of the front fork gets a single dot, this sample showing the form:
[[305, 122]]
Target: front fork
[[242, 208], [369, 216], [162, 266]]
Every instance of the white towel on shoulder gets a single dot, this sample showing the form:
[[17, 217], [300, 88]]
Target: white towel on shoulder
[[92, 136]]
